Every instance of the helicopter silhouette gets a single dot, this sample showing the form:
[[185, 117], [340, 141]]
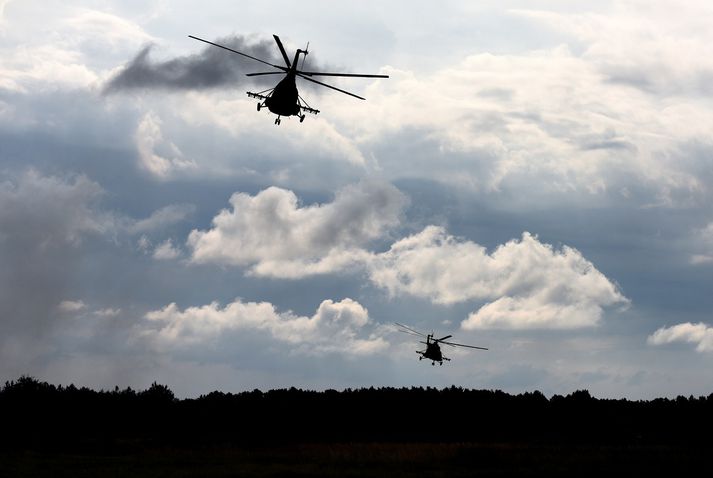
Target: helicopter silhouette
[[284, 99], [433, 350]]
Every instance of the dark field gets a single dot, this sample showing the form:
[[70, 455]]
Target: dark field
[[65, 431], [360, 459]]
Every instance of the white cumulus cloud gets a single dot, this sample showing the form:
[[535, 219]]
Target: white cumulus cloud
[[276, 236], [108, 312], [157, 155], [71, 305], [524, 283], [74, 51], [529, 284], [699, 334], [335, 326], [166, 251]]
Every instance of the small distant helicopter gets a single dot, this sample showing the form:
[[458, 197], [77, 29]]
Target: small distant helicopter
[[433, 350], [284, 99]]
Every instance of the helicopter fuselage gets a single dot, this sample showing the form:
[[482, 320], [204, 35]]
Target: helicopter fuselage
[[283, 100], [432, 352]]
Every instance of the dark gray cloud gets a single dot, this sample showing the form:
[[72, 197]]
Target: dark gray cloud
[[211, 68], [43, 222]]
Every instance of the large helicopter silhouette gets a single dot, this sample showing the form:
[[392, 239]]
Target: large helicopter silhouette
[[433, 350], [284, 99]]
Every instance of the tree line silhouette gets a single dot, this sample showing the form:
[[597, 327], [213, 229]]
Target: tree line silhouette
[[36, 413]]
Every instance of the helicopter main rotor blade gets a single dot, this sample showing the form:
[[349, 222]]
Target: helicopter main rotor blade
[[349, 75], [238, 52], [266, 73], [282, 50], [464, 345], [444, 338], [329, 86], [409, 332], [410, 329]]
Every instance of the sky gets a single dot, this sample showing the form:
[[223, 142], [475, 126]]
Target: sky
[[535, 177]]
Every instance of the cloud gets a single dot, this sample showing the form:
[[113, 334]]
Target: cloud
[[162, 218], [44, 222], [211, 68], [334, 328], [3, 4], [700, 259], [153, 149], [45, 67], [166, 251], [108, 312], [71, 305], [105, 30], [528, 284], [703, 240], [538, 312], [277, 237], [531, 284], [539, 125], [699, 334], [623, 45], [45, 211], [82, 44], [319, 148]]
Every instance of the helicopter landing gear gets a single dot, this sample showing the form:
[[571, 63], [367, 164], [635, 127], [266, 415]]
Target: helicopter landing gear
[[420, 358], [302, 118], [259, 105], [277, 121], [433, 363]]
